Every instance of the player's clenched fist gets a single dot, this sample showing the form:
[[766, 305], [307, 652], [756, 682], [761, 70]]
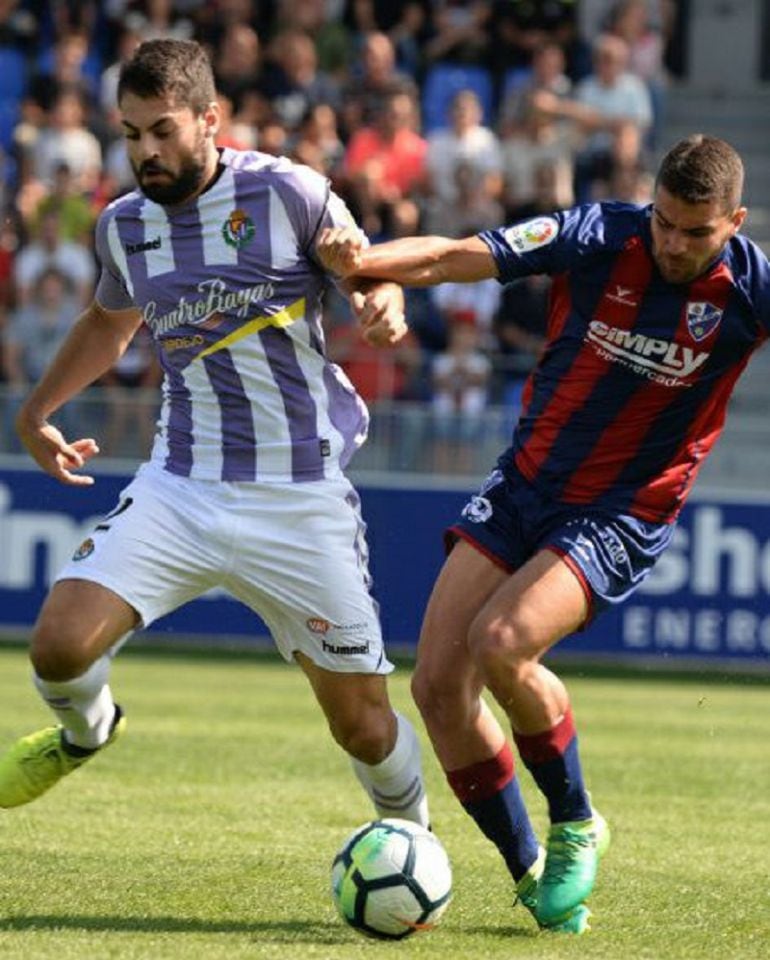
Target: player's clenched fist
[[381, 314], [339, 250]]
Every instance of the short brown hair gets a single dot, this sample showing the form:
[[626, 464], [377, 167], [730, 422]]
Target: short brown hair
[[700, 169], [162, 67]]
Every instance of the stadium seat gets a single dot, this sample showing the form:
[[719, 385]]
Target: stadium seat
[[13, 74], [516, 79], [442, 83], [91, 70], [9, 117]]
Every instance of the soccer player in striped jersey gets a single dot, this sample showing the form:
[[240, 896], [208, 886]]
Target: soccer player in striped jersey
[[245, 487], [654, 312]]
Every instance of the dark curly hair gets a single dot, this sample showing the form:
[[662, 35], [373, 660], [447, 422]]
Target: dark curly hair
[[177, 67]]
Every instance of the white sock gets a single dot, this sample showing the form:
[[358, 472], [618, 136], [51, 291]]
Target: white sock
[[396, 786], [84, 705]]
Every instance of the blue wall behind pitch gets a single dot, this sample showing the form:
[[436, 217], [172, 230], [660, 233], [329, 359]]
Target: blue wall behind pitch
[[708, 598]]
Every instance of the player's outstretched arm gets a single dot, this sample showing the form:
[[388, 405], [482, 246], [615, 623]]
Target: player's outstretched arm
[[411, 261], [96, 341]]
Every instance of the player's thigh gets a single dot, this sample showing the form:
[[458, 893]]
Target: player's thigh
[[156, 549], [464, 586], [543, 601], [305, 572], [78, 622]]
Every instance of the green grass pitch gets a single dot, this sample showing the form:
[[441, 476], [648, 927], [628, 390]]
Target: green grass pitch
[[207, 833]]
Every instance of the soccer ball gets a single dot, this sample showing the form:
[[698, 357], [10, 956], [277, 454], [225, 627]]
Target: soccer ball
[[391, 878]]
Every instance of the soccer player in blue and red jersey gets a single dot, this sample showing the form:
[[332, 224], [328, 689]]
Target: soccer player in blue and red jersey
[[654, 312]]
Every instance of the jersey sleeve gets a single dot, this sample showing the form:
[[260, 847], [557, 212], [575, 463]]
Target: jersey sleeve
[[312, 206], [112, 290], [750, 270], [335, 214], [762, 300], [546, 244]]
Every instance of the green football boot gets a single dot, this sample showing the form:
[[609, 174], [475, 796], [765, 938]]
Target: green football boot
[[573, 853], [527, 893], [37, 762]]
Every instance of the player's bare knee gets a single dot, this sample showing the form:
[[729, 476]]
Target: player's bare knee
[[500, 645], [57, 663], [56, 654], [369, 739], [430, 692], [441, 700], [421, 686]]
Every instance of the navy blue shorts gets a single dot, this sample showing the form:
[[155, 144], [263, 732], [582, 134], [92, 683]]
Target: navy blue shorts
[[509, 521]]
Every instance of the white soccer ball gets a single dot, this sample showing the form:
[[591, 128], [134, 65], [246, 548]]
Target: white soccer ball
[[391, 878]]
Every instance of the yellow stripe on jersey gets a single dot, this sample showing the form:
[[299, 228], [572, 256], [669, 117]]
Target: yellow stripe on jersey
[[284, 318]]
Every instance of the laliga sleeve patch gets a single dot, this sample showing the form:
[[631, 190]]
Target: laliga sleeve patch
[[532, 234]]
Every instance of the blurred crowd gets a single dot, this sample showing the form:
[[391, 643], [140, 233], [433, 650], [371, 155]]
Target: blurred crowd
[[428, 116]]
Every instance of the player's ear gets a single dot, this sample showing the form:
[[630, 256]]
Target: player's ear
[[738, 217], [212, 118]]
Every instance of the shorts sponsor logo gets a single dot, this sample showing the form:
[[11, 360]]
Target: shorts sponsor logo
[[318, 625], [613, 545], [478, 510], [702, 319], [532, 234], [345, 650], [85, 549]]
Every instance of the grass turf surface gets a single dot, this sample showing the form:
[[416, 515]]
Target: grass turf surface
[[208, 831]]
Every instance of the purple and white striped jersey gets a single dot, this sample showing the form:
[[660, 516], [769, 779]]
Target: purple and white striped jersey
[[230, 290]]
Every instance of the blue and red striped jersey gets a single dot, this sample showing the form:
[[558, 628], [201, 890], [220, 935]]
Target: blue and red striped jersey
[[632, 389]]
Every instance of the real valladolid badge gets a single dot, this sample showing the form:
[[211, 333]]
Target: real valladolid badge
[[85, 549], [238, 229]]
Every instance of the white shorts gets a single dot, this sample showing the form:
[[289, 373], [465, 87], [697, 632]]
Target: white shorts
[[295, 553]]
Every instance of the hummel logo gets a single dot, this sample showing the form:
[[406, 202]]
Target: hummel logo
[[622, 295], [132, 248], [345, 649]]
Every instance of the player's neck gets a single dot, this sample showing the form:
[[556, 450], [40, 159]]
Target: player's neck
[[212, 172]]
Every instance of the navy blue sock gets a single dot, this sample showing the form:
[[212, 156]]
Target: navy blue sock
[[489, 792], [553, 760]]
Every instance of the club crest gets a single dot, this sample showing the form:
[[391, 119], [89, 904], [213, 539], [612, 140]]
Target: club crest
[[477, 510], [85, 549], [702, 319], [238, 229]]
